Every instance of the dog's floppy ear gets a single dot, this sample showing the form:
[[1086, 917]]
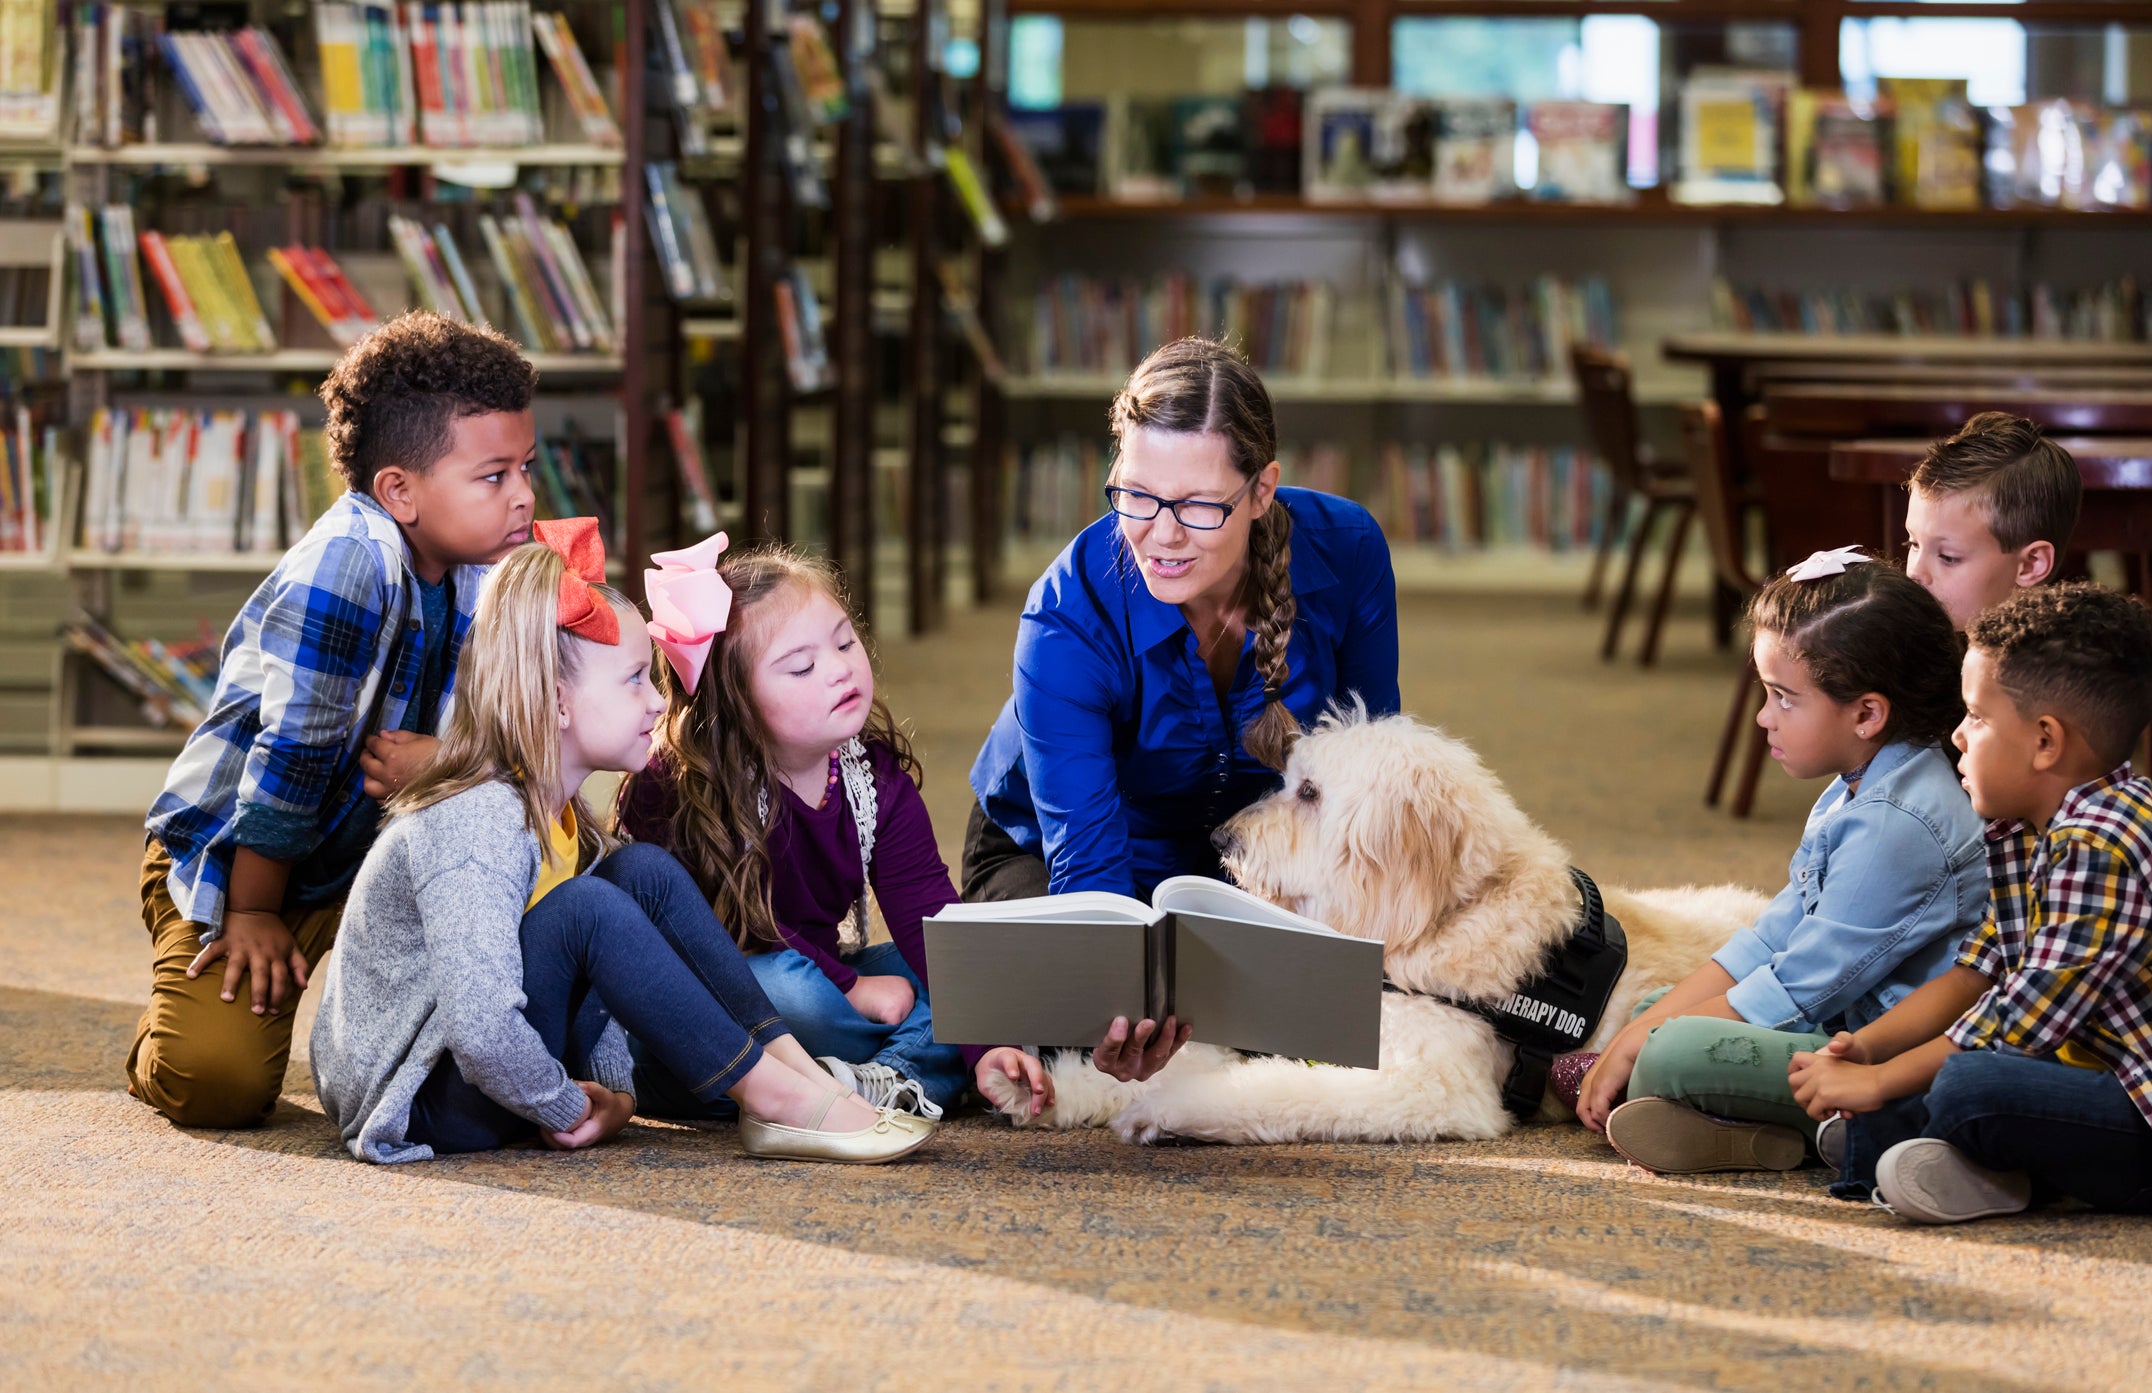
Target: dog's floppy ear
[[1411, 847]]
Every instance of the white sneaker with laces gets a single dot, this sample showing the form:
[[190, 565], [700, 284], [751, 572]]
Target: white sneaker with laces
[[882, 1086]]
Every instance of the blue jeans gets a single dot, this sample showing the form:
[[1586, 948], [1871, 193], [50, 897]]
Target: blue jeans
[[633, 939], [2075, 1131], [825, 1023]]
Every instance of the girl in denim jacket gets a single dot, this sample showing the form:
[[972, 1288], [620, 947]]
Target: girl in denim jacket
[[1860, 673]]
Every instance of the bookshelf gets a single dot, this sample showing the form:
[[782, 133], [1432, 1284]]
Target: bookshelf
[[595, 403], [1666, 260]]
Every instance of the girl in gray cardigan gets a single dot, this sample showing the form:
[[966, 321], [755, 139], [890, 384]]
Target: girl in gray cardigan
[[480, 984]]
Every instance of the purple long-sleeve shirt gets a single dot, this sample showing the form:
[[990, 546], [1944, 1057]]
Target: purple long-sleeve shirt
[[815, 876]]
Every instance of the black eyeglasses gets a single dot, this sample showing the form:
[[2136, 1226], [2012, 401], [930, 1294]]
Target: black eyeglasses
[[1196, 514]]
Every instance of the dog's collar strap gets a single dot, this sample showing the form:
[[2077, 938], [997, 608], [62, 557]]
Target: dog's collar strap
[[1556, 1011]]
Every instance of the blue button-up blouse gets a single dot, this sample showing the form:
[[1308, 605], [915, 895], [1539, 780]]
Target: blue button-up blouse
[[1113, 758]]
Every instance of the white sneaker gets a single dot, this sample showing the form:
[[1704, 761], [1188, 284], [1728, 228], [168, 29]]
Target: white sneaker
[[1930, 1181], [882, 1086]]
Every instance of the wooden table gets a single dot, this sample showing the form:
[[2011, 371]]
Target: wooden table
[[1732, 359], [1842, 409], [2117, 470]]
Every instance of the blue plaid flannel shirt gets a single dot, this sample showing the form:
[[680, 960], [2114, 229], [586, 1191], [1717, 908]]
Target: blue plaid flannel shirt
[[326, 651]]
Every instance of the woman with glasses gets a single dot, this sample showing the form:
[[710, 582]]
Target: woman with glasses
[[1169, 656]]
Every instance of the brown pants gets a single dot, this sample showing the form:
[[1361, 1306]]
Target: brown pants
[[199, 1059]]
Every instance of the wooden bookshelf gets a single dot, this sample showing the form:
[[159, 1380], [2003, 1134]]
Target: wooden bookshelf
[[95, 578], [299, 360], [342, 157]]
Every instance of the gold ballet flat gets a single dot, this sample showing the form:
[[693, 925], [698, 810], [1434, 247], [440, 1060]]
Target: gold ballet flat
[[893, 1134]]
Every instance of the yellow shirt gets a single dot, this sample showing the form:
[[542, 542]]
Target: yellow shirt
[[561, 858]]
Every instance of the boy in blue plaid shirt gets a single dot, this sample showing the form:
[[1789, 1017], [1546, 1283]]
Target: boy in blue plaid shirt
[[2027, 1067], [333, 679]]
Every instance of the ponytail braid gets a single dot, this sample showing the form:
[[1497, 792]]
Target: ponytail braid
[[1270, 736], [1201, 387]]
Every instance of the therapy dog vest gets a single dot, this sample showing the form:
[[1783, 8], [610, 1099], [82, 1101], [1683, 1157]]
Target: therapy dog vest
[[1556, 1011]]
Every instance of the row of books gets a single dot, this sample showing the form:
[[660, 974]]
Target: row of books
[[1331, 144], [1382, 146], [27, 472], [1461, 497], [1455, 330], [174, 682], [447, 75], [1089, 325], [208, 296], [1921, 142], [2114, 312], [541, 271], [680, 231], [1456, 496], [167, 479]]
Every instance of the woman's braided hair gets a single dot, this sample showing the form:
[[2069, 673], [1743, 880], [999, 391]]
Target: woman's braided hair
[[1201, 387]]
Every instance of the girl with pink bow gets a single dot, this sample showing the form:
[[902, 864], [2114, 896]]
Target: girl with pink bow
[[785, 787]]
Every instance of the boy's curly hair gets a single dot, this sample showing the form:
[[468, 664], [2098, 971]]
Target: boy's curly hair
[[1871, 629], [395, 394], [2029, 484], [2076, 651]]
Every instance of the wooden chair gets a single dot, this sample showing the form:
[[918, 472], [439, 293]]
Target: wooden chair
[[1724, 508], [1604, 389]]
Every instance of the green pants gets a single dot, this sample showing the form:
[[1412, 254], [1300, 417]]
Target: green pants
[[1730, 1068]]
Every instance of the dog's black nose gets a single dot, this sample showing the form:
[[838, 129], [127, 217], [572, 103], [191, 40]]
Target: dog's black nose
[[1224, 842]]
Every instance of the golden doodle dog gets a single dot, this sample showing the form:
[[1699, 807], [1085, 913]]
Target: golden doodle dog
[[1390, 829]]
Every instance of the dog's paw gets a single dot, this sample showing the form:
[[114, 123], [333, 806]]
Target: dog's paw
[[1140, 1124]]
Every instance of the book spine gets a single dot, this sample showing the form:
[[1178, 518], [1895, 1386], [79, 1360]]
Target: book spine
[[519, 297], [232, 274], [405, 88], [459, 274], [185, 318], [286, 264], [287, 85]]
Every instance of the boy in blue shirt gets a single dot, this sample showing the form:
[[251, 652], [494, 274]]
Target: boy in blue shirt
[[333, 680]]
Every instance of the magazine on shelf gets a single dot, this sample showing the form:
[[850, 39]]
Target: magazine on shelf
[[1583, 152], [1403, 151], [1277, 131], [1936, 139], [821, 80], [1139, 150], [1210, 145], [1475, 149], [799, 326], [1835, 151], [1339, 148], [1057, 969], [680, 231], [1067, 143], [1730, 138]]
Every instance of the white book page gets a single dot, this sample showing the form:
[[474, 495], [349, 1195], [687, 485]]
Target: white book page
[[1081, 906], [1197, 894]]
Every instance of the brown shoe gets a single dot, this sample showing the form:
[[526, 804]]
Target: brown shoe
[[1673, 1138]]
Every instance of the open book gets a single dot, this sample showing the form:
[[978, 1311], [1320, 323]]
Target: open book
[[1057, 969]]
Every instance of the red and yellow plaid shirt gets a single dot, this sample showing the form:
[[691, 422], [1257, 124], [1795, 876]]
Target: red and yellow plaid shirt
[[2068, 942]]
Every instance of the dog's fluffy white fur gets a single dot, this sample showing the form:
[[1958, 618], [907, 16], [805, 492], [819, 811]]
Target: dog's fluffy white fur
[[1392, 830]]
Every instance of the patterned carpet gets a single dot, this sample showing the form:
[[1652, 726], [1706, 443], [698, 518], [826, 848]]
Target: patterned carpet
[[137, 1255]]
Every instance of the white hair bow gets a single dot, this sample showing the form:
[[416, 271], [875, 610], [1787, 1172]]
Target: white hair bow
[[1827, 563]]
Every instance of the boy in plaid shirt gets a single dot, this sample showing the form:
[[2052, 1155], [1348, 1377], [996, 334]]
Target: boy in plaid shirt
[[332, 681], [2028, 1066]]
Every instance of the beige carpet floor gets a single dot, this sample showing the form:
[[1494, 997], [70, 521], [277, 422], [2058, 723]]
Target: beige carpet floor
[[135, 1255]]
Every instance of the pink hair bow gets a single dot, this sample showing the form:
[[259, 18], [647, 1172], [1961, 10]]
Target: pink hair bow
[[689, 604]]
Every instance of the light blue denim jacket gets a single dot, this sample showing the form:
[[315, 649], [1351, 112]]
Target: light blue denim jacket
[[1883, 889]]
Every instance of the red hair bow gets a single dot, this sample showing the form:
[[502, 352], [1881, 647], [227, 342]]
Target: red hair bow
[[583, 611]]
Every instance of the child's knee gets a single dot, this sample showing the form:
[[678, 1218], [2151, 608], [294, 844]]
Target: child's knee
[[1677, 1056], [638, 863], [206, 1083]]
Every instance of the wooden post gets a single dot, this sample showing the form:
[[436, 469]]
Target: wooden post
[[923, 559], [851, 496]]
